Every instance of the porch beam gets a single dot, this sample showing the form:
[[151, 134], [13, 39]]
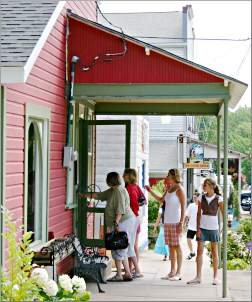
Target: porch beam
[[156, 109], [150, 91]]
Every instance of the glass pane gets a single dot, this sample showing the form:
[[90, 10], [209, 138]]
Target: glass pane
[[110, 152], [31, 181], [95, 225]]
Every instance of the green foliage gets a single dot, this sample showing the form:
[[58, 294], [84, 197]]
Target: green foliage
[[235, 203], [237, 264], [18, 281], [239, 134], [238, 255], [15, 283], [153, 204], [245, 230]]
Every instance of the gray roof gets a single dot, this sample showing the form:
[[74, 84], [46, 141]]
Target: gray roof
[[22, 23]]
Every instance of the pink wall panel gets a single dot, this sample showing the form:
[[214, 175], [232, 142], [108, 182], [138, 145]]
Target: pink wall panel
[[135, 66], [44, 86]]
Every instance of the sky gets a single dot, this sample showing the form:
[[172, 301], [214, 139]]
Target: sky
[[212, 19]]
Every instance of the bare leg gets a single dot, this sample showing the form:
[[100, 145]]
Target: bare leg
[[135, 263], [118, 264], [214, 249], [179, 259], [130, 264], [126, 268], [199, 258], [173, 260], [199, 261], [189, 242], [136, 247]]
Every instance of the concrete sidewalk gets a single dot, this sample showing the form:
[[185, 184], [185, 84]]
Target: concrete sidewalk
[[152, 288]]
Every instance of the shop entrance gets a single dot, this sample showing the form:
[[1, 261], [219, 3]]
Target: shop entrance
[[92, 173]]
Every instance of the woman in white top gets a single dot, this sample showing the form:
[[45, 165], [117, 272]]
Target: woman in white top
[[207, 226], [174, 215]]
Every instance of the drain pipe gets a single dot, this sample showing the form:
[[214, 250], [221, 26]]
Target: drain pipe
[[74, 60], [70, 156]]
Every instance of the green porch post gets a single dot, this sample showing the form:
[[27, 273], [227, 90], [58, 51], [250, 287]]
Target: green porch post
[[225, 174], [218, 177]]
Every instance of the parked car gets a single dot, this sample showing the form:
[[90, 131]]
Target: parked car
[[246, 200]]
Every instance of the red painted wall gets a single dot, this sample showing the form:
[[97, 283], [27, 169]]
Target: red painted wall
[[45, 86], [135, 67]]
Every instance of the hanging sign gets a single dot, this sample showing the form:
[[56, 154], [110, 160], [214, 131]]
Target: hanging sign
[[196, 153], [202, 165]]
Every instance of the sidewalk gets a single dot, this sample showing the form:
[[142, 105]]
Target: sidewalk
[[152, 288]]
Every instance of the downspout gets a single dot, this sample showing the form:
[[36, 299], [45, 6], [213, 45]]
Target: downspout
[[69, 154], [74, 60]]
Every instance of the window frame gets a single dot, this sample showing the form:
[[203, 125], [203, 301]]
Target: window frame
[[38, 114]]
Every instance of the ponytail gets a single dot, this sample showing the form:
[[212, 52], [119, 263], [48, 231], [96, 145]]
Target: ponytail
[[217, 190], [215, 186]]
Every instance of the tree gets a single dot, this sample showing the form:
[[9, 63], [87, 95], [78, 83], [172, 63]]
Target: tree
[[239, 134]]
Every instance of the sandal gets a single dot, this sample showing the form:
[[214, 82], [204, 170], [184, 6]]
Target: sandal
[[194, 281], [175, 278], [115, 278], [216, 282], [127, 278], [170, 275]]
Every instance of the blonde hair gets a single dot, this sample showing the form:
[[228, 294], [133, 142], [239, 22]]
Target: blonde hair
[[213, 184], [175, 175], [132, 175]]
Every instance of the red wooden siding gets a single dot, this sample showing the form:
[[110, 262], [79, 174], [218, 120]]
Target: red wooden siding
[[135, 67], [45, 86]]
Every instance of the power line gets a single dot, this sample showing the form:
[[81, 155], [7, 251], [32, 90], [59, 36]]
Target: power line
[[199, 39], [107, 57], [243, 60]]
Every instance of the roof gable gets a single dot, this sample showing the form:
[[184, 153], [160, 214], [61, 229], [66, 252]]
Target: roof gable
[[87, 40]]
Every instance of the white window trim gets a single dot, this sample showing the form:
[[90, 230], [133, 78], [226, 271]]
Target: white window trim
[[43, 114]]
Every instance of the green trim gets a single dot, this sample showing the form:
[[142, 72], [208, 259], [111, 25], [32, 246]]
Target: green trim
[[2, 164], [36, 114], [218, 177], [150, 91], [83, 208], [158, 109], [225, 199]]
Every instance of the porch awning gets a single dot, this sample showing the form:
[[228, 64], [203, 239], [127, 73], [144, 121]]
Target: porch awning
[[141, 78]]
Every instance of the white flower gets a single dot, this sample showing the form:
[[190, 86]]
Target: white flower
[[79, 284], [40, 275], [51, 288], [66, 283], [15, 287]]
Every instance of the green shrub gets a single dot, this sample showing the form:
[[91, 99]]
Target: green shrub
[[15, 282], [153, 204], [21, 282], [236, 264], [245, 229], [236, 250]]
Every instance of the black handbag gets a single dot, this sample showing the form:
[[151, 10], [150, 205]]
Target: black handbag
[[141, 200], [116, 241]]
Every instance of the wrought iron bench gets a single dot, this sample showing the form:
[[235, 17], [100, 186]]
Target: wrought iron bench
[[89, 262]]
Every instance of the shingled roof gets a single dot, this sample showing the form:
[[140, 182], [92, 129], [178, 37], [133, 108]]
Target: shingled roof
[[22, 24]]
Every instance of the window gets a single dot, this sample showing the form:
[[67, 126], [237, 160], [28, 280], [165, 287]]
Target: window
[[36, 171]]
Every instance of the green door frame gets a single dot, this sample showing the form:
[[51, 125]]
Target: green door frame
[[83, 209]]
